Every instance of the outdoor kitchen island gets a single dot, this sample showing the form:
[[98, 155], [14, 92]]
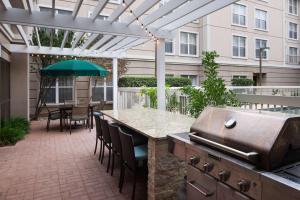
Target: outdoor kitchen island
[[165, 171]]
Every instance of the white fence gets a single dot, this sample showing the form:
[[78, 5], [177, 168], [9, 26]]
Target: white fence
[[280, 99]]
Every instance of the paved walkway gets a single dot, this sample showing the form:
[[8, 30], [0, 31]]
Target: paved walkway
[[56, 165]]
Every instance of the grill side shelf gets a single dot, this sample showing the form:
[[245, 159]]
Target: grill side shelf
[[253, 157]]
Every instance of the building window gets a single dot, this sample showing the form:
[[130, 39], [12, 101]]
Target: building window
[[239, 77], [293, 7], [61, 91], [293, 31], [293, 55], [103, 90], [260, 19], [260, 44], [239, 15], [169, 47], [188, 43], [193, 79], [239, 46]]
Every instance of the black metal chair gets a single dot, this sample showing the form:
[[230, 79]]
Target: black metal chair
[[131, 156], [106, 141], [52, 115], [116, 144], [99, 135]]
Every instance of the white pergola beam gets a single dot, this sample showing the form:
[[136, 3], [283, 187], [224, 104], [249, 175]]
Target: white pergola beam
[[160, 73], [89, 40], [142, 9], [53, 7], [111, 43], [23, 34], [63, 43], [80, 24], [98, 9], [205, 10], [98, 44], [37, 36], [6, 4], [7, 28], [184, 10], [58, 51], [76, 8], [122, 43], [30, 6], [162, 11], [77, 39], [120, 10], [133, 44]]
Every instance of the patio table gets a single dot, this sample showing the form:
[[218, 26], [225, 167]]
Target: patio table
[[68, 107], [165, 171]]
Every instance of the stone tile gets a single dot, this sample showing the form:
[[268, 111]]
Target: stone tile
[[58, 166]]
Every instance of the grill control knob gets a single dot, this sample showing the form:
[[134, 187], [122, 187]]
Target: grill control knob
[[194, 160], [243, 185], [208, 167], [224, 175]]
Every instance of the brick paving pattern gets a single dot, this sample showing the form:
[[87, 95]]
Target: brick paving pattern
[[56, 165]]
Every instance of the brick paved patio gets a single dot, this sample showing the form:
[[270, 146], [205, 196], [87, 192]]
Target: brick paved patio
[[56, 165]]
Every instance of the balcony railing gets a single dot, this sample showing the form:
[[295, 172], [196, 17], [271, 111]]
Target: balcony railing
[[280, 99], [293, 59]]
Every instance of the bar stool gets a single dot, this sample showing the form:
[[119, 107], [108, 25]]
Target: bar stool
[[131, 156], [116, 144], [106, 141], [99, 135]]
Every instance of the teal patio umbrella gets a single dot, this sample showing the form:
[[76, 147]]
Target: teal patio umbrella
[[74, 68]]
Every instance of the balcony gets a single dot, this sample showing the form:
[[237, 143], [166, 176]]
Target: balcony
[[293, 60]]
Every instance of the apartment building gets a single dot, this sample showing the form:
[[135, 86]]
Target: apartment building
[[236, 32]]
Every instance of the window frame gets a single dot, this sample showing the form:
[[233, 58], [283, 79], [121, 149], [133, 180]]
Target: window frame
[[246, 47], [297, 29], [57, 87], [288, 7], [267, 52], [189, 75], [197, 44], [246, 15], [267, 20], [104, 86], [173, 46], [289, 54]]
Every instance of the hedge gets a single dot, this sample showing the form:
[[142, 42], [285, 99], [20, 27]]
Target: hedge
[[151, 82], [13, 130], [242, 82]]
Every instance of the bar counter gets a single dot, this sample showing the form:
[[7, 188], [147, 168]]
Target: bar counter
[[165, 171]]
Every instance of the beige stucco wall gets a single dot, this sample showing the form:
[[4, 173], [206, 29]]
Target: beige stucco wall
[[19, 76]]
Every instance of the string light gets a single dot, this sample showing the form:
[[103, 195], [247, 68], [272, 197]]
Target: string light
[[139, 22]]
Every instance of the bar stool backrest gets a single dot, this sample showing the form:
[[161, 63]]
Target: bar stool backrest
[[105, 130], [127, 149], [115, 138], [98, 126]]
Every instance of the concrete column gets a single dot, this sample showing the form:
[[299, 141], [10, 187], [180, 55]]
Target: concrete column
[[160, 73], [115, 83], [19, 85]]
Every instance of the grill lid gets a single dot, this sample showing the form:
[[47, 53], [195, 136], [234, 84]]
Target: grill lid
[[267, 139]]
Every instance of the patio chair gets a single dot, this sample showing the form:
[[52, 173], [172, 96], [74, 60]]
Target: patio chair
[[131, 156], [106, 141], [99, 135], [79, 113], [116, 144], [52, 115]]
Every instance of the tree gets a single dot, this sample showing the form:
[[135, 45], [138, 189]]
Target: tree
[[213, 92]]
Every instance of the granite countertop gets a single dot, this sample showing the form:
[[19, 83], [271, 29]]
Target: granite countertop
[[152, 123]]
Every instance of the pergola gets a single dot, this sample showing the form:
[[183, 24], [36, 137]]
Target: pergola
[[141, 24]]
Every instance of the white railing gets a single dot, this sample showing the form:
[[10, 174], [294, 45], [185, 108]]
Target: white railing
[[280, 99]]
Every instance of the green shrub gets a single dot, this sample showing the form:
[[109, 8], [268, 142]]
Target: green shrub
[[214, 92], [242, 82], [18, 123], [13, 130], [10, 136], [151, 81]]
